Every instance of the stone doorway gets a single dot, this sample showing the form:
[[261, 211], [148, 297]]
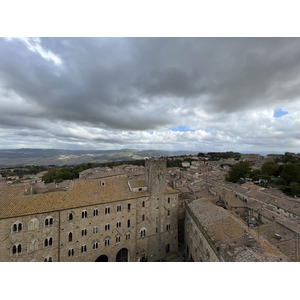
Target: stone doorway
[[122, 255], [102, 258]]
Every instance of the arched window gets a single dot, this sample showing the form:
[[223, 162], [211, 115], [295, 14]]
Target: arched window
[[168, 248], [48, 221], [95, 212], [83, 249], [95, 229], [107, 210], [71, 252], [50, 241], [46, 243], [143, 204], [127, 236], [84, 214], [106, 227], [128, 223], [50, 259], [143, 217], [33, 224], [128, 206], [17, 227], [14, 249], [118, 224], [95, 245], [70, 236], [106, 242], [119, 208], [19, 248], [70, 216], [143, 233], [118, 239], [83, 232], [168, 227]]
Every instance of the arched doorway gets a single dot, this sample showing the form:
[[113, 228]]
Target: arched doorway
[[102, 258], [122, 255]]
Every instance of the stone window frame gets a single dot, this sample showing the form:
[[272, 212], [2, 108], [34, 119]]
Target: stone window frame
[[83, 249], [49, 221], [70, 216], [71, 252], [16, 249], [16, 227], [48, 242], [84, 214], [33, 224], [95, 245]]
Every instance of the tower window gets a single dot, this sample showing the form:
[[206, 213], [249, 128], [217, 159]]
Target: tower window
[[48, 221], [83, 249], [169, 199], [106, 227], [128, 206], [84, 214], [70, 216], [118, 224], [118, 239], [118, 208], [83, 232], [143, 204], [106, 242], [143, 217], [128, 223], [107, 210], [95, 212], [95, 245], [128, 236], [17, 227], [143, 233], [168, 227], [95, 229], [71, 252], [70, 236]]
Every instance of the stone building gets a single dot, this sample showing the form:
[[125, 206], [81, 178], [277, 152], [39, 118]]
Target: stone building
[[110, 219], [213, 234]]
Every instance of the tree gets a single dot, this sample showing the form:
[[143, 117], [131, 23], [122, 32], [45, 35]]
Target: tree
[[270, 168], [237, 171]]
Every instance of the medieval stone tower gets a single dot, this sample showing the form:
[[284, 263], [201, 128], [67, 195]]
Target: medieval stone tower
[[162, 211]]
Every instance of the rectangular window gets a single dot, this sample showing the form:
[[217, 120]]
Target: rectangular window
[[95, 212], [118, 239], [84, 214], [118, 224], [83, 249], [128, 223], [128, 206], [143, 217], [71, 252], [83, 232], [106, 227], [106, 242], [118, 208], [95, 229], [127, 236], [168, 212], [107, 210]]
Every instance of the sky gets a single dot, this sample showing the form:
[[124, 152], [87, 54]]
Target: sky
[[199, 94]]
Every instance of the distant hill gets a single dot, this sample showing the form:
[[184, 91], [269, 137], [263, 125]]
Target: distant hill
[[59, 157]]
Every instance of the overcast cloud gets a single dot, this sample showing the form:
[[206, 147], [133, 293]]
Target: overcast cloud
[[203, 94]]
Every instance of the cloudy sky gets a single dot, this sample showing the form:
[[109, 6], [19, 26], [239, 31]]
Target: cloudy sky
[[203, 94]]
